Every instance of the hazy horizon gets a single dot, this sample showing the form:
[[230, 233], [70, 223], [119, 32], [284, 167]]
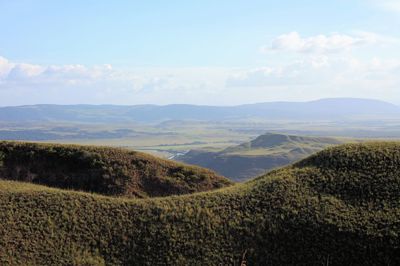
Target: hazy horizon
[[228, 105]]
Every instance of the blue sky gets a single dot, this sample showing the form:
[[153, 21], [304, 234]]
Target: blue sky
[[201, 52]]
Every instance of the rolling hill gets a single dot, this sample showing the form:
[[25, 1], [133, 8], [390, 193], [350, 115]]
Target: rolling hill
[[324, 109], [338, 207], [108, 171], [259, 155]]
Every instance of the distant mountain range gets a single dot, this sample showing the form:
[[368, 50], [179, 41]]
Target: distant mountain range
[[324, 109], [253, 158]]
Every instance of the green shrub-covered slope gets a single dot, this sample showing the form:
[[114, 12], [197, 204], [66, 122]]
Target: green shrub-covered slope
[[108, 171], [339, 207]]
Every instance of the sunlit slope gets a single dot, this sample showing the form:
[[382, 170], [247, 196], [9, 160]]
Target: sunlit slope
[[339, 207], [103, 170]]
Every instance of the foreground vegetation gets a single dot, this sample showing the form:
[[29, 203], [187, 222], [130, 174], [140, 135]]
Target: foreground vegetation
[[108, 171], [338, 207]]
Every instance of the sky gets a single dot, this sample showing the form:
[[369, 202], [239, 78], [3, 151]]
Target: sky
[[197, 52]]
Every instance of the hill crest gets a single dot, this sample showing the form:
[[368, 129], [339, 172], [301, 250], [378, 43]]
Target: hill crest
[[297, 215], [272, 140], [103, 170]]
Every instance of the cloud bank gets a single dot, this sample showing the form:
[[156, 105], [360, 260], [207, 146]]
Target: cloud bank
[[325, 65], [31, 73], [332, 65], [25, 83], [333, 43]]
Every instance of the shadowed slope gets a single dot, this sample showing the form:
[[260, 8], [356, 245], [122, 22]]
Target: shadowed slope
[[300, 215], [104, 170]]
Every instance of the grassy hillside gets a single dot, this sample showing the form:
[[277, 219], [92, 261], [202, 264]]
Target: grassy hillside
[[266, 152], [339, 207], [108, 171]]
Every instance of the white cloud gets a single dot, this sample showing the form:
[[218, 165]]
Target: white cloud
[[309, 77], [25, 74], [24, 71], [341, 76], [321, 44], [5, 67], [24, 83], [300, 72], [76, 73]]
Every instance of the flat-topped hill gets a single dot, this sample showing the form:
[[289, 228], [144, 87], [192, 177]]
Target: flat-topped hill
[[103, 170], [268, 142], [262, 154]]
